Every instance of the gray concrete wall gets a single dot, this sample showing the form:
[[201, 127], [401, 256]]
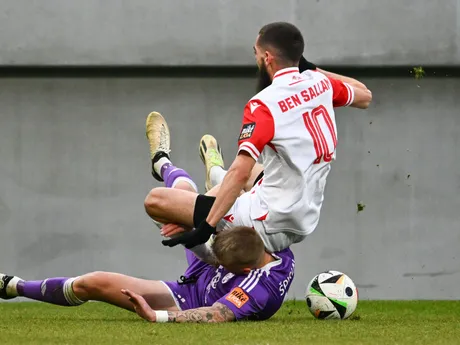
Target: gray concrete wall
[[75, 169], [222, 32]]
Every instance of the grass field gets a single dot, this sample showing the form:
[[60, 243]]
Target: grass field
[[418, 323]]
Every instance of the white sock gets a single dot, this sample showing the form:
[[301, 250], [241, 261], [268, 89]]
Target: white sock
[[217, 175], [11, 288], [162, 161], [69, 295], [185, 179]]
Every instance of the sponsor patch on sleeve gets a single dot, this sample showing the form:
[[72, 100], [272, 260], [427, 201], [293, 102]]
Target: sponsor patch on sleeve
[[237, 297], [247, 130]]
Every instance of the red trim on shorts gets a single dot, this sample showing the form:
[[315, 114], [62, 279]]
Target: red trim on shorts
[[263, 217]]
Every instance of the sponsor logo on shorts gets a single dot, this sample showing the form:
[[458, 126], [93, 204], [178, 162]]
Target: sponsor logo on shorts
[[237, 297], [229, 218], [247, 130], [262, 218]]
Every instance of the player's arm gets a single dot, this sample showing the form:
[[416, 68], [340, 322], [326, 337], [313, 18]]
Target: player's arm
[[257, 131], [203, 251], [353, 82], [304, 65], [256, 172], [362, 99], [231, 187], [218, 312], [344, 95], [235, 180]]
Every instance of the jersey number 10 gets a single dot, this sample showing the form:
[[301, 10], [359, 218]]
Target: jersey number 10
[[323, 152]]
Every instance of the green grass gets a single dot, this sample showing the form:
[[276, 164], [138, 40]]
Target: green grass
[[423, 322]]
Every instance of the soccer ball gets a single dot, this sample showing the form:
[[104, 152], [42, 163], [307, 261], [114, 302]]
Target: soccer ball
[[332, 295]]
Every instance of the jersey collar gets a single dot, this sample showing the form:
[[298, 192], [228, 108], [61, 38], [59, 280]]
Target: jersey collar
[[272, 264], [285, 71]]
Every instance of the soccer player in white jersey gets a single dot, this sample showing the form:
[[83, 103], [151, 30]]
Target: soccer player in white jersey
[[211, 154], [291, 126]]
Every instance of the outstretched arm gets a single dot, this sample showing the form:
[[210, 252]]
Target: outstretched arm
[[362, 98], [304, 65], [345, 95], [218, 312], [353, 82]]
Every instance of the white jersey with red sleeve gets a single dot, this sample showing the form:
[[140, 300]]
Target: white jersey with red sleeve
[[290, 127]]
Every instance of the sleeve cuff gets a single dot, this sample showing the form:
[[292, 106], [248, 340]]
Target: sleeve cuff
[[249, 148], [351, 95]]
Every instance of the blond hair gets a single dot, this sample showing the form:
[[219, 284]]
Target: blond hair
[[239, 247]]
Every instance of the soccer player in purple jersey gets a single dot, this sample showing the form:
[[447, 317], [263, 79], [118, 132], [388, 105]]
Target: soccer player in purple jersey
[[206, 293], [235, 279]]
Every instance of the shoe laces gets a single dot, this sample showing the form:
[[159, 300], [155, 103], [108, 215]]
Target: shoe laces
[[163, 140]]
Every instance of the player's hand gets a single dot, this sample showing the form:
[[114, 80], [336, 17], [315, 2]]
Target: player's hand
[[140, 305], [193, 238], [170, 230]]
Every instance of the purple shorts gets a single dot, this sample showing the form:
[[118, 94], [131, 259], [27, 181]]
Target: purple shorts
[[190, 295]]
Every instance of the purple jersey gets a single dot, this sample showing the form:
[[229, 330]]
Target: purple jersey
[[256, 296]]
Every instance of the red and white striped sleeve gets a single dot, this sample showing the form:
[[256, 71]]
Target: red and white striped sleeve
[[257, 130], [343, 93]]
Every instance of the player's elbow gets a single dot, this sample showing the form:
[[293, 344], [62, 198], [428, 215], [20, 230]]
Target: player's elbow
[[222, 313]]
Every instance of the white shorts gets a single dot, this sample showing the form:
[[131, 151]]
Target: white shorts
[[240, 215]]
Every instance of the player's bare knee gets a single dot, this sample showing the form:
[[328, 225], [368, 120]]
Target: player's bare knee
[[154, 201], [90, 284]]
